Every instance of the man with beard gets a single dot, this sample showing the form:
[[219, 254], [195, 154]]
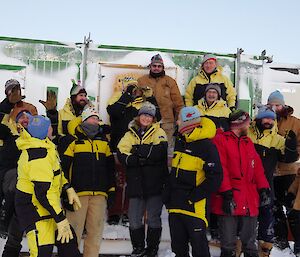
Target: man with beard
[[271, 148], [210, 72], [167, 95], [284, 176], [243, 189], [72, 108]]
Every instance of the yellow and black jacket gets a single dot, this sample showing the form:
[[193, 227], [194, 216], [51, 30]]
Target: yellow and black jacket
[[88, 163], [122, 108], [40, 181], [271, 148], [196, 88], [66, 114], [196, 172], [218, 112], [145, 159]]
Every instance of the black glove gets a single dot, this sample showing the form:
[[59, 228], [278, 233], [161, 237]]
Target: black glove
[[229, 204], [111, 196], [291, 141], [265, 197], [132, 160], [130, 89], [289, 200]]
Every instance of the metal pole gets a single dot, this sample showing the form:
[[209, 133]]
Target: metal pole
[[237, 72], [86, 43]]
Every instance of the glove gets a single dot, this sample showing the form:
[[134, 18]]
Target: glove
[[229, 204], [232, 108], [14, 95], [291, 141], [289, 200], [147, 91], [73, 199], [265, 198], [111, 196], [64, 231], [51, 102], [132, 160], [130, 89]]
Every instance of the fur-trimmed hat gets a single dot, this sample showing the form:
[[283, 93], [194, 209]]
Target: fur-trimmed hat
[[88, 112], [265, 111], [239, 119], [10, 84], [190, 118], [38, 126], [276, 98], [147, 108]]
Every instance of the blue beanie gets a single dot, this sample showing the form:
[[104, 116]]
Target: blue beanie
[[38, 126], [190, 118], [265, 112], [276, 97]]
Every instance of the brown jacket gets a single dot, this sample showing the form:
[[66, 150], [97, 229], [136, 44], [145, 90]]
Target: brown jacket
[[285, 124], [167, 95], [294, 188]]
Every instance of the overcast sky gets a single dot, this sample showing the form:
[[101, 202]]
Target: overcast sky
[[213, 26]]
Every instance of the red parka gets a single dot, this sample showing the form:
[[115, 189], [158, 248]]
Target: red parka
[[243, 173]]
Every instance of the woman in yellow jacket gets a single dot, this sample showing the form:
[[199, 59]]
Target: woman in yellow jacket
[[39, 186], [213, 107]]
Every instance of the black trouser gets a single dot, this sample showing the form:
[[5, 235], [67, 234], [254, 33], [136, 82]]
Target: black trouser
[[281, 186], [187, 229], [244, 226]]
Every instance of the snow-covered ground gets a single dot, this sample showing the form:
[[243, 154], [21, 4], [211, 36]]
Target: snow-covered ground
[[116, 241]]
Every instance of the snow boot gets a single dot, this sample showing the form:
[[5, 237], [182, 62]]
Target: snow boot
[[153, 240], [264, 248], [113, 220], [227, 253], [137, 237], [11, 251]]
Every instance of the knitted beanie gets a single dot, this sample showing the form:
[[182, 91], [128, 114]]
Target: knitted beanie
[[265, 111], [276, 98], [190, 119], [10, 84], [88, 112], [239, 119], [157, 59], [38, 126], [214, 86], [209, 57], [147, 108], [76, 88]]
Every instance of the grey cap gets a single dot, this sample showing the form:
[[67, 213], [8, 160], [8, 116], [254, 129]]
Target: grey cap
[[148, 108], [10, 84], [209, 56]]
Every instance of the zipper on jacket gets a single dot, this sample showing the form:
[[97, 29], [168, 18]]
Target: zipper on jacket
[[176, 175], [242, 174]]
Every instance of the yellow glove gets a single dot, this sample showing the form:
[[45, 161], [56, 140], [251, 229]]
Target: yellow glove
[[73, 198], [148, 92], [64, 231]]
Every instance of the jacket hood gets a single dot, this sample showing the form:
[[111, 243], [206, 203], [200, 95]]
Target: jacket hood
[[219, 103], [207, 130], [68, 107], [26, 141], [259, 134]]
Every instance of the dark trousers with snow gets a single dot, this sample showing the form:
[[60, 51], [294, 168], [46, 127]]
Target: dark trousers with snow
[[137, 208], [266, 224], [184, 230], [281, 186], [232, 226]]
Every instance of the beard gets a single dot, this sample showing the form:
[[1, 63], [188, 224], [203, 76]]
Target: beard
[[267, 125]]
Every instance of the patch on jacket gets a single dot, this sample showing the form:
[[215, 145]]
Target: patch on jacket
[[252, 163], [162, 137], [36, 153], [188, 151], [211, 164]]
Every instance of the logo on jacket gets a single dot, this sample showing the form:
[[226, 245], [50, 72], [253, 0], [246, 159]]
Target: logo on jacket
[[189, 114], [252, 163], [211, 164]]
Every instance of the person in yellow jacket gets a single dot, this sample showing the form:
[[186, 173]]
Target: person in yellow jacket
[[39, 186], [89, 166], [143, 152], [210, 72], [213, 107]]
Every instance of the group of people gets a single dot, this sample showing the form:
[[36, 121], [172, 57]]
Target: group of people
[[204, 159]]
